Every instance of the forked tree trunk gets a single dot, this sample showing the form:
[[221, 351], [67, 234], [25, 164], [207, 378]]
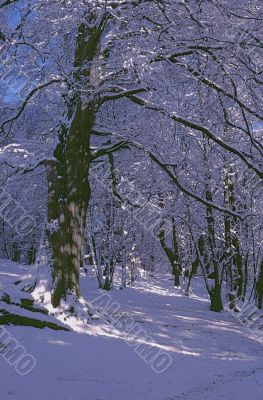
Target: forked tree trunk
[[172, 257], [171, 253]]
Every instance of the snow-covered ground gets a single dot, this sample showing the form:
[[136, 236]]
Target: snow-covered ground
[[213, 356]]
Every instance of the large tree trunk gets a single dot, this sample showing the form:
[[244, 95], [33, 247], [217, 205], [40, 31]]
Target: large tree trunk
[[69, 193], [216, 299], [68, 185]]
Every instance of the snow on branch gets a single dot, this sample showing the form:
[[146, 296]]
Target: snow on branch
[[26, 158], [25, 103], [8, 3], [206, 131], [187, 191]]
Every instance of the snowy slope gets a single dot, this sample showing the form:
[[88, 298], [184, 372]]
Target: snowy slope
[[213, 356]]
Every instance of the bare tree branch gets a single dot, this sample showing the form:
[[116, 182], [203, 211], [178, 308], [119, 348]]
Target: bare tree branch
[[8, 3], [206, 131], [175, 180], [116, 147], [25, 103]]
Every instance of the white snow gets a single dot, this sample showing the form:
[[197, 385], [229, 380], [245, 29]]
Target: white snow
[[213, 356]]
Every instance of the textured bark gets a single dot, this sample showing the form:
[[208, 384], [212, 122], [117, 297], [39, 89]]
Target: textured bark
[[234, 270], [215, 291], [68, 185], [68, 199], [216, 299], [259, 287], [171, 253], [172, 256]]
